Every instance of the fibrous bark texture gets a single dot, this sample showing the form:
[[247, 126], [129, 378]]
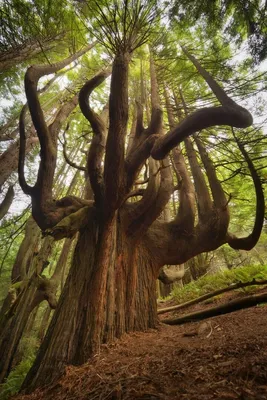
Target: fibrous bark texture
[[110, 290]]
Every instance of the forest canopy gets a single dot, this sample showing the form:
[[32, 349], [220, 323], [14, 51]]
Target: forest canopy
[[133, 137]]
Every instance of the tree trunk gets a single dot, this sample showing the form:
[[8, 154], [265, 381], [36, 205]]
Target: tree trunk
[[21, 53], [110, 290], [32, 291], [10, 158], [13, 328], [6, 203], [44, 323]]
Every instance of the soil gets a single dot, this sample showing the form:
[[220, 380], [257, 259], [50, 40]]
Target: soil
[[224, 357]]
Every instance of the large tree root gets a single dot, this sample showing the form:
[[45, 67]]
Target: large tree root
[[232, 306], [212, 294]]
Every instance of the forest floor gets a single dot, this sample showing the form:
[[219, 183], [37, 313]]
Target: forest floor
[[224, 357]]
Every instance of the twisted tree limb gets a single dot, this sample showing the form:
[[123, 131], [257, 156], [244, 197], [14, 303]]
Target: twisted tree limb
[[247, 243], [99, 127], [230, 113], [46, 212], [160, 186]]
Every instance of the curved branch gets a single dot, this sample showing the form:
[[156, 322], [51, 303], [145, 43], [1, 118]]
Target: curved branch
[[136, 158], [247, 243], [144, 138], [149, 196], [206, 117], [71, 224], [43, 188], [155, 198], [218, 194], [42, 191], [160, 188], [27, 189], [204, 202], [71, 163], [230, 113], [135, 193], [96, 151], [45, 211], [185, 217], [84, 95], [32, 76]]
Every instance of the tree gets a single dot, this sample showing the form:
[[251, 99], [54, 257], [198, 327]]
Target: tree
[[123, 243], [237, 18]]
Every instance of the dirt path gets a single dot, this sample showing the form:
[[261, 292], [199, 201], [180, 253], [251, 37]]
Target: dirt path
[[223, 358]]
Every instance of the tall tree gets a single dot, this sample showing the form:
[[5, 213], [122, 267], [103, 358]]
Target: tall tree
[[123, 241]]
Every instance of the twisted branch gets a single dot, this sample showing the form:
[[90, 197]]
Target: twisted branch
[[96, 151], [247, 243]]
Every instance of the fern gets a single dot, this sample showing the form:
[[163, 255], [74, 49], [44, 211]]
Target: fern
[[209, 283]]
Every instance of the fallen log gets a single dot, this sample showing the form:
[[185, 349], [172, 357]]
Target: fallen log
[[234, 305], [212, 294]]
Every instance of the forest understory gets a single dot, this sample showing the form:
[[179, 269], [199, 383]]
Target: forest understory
[[220, 358]]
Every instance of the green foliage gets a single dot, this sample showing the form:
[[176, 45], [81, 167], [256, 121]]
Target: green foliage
[[11, 232], [16, 377], [121, 24], [209, 283], [237, 20]]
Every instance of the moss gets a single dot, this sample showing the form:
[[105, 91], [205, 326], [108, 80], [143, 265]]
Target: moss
[[209, 283]]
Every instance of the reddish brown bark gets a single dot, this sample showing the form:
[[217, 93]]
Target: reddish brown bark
[[33, 290], [110, 290]]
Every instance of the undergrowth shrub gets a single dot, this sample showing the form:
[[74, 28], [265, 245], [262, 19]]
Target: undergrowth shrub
[[16, 377], [209, 283]]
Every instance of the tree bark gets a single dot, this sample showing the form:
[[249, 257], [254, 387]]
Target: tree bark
[[6, 203], [44, 323], [110, 290]]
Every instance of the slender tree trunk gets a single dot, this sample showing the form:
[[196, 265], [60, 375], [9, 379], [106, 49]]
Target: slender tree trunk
[[23, 259], [44, 323], [21, 53], [12, 329], [10, 158], [110, 290], [33, 290], [6, 203]]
